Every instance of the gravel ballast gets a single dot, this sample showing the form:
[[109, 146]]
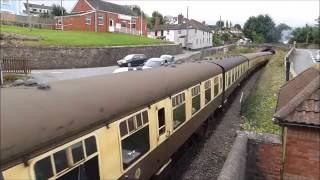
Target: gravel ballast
[[205, 159]]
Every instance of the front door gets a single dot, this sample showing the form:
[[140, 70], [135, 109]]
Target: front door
[[111, 25]]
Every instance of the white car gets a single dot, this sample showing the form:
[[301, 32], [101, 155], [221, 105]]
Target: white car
[[318, 56], [151, 63], [167, 57]]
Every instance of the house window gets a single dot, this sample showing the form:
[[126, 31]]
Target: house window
[[156, 33], [195, 93], [207, 93], [179, 31], [168, 32], [88, 20], [195, 31], [100, 20], [111, 23], [179, 110]]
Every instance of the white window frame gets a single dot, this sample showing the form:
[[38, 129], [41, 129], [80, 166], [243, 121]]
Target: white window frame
[[100, 17], [88, 20]]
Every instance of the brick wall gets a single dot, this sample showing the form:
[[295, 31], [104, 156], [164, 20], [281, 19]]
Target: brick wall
[[302, 153], [78, 57], [81, 6], [263, 160]]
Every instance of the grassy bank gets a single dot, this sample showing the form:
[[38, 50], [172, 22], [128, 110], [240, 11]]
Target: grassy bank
[[78, 38], [236, 51], [260, 106]]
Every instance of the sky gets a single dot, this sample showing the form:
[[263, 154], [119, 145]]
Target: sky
[[295, 13]]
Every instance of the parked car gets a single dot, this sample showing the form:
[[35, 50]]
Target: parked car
[[318, 56], [150, 63], [167, 57], [132, 60]]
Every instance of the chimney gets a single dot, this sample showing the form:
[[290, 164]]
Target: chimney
[[180, 19], [157, 22]]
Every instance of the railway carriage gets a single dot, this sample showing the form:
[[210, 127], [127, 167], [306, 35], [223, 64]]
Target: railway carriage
[[119, 126]]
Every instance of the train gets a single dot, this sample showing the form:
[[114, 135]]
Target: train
[[119, 126]]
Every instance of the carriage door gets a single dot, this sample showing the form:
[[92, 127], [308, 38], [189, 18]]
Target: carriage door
[[162, 121]]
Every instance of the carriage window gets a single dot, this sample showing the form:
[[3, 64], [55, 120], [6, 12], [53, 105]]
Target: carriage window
[[161, 121], [216, 86], [131, 124], [195, 92], [229, 78], [60, 160], [77, 152], [43, 169], [179, 110], [207, 94], [91, 145], [134, 146], [123, 128], [145, 117]]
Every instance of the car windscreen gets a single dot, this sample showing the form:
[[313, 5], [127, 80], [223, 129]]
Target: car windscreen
[[128, 57], [153, 63]]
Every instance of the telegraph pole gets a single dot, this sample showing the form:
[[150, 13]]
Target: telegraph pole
[[29, 18], [61, 16], [187, 24], [141, 19]]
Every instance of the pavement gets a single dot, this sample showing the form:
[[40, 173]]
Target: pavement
[[46, 76], [303, 59]]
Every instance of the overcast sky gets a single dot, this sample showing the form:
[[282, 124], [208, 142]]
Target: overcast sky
[[294, 13]]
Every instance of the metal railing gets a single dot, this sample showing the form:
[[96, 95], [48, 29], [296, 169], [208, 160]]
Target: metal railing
[[288, 62], [15, 65]]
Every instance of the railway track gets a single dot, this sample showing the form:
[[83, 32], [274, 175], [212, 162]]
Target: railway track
[[204, 158]]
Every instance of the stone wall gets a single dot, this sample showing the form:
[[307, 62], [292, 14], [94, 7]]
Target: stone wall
[[82, 57]]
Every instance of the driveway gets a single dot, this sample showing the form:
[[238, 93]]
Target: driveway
[[303, 59], [45, 76]]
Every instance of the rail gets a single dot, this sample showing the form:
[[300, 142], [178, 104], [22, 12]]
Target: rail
[[15, 65], [288, 63]]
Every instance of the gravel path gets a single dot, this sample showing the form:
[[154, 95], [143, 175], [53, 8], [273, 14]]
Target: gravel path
[[205, 159]]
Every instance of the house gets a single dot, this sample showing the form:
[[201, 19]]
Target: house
[[37, 9], [189, 34], [10, 7], [298, 112], [102, 16]]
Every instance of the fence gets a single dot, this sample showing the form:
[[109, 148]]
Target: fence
[[18, 20], [288, 63], [15, 65]]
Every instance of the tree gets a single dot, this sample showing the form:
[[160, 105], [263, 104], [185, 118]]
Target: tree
[[220, 24], [155, 15], [260, 28], [237, 26], [306, 34], [225, 36], [56, 10], [281, 28], [137, 10]]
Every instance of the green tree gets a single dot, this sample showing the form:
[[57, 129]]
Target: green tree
[[279, 28], [216, 40], [237, 26], [220, 24], [155, 15], [306, 34], [137, 10], [56, 10], [261, 25], [225, 37]]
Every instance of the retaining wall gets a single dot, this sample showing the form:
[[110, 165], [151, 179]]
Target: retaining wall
[[82, 57]]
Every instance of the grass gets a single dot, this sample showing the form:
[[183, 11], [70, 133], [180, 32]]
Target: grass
[[78, 38], [259, 108]]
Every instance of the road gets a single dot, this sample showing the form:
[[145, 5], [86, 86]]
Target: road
[[303, 59], [46, 76]]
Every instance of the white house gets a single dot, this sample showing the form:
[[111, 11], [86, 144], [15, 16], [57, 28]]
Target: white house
[[37, 9], [196, 36]]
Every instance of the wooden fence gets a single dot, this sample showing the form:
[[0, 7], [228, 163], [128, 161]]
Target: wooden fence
[[15, 65]]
